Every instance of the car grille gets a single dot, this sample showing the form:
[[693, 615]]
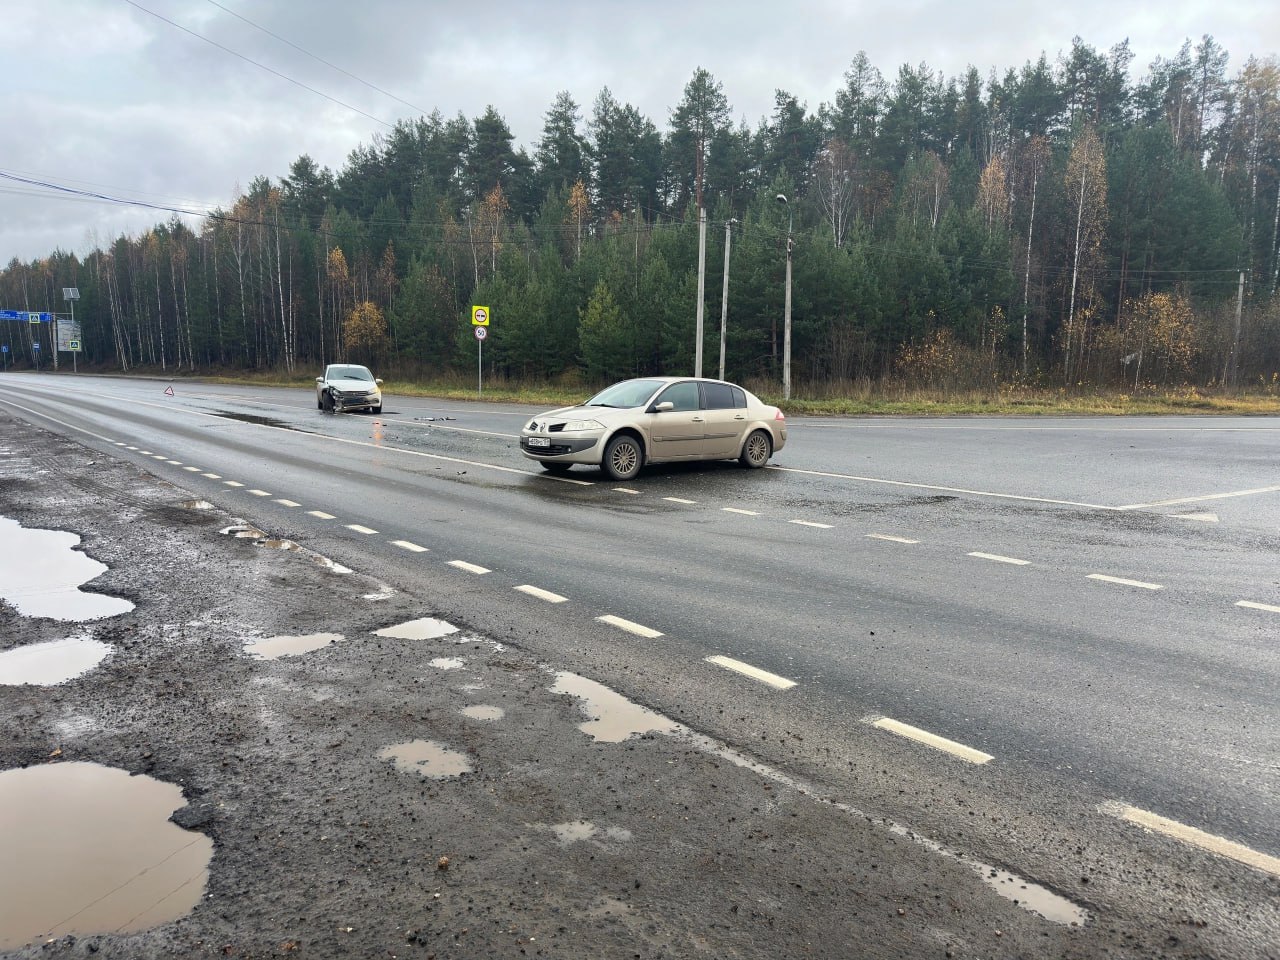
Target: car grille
[[555, 450]]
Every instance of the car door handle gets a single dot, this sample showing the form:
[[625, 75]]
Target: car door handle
[[697, 419], [739, 417]]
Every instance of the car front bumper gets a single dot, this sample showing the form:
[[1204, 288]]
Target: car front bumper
[[562, 449]]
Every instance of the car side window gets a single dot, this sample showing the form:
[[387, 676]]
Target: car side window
[[683, 395], [718, 396], [739, 398]]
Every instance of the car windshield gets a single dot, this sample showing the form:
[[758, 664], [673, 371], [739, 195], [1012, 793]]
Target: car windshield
[[350, 373], [629, 393]]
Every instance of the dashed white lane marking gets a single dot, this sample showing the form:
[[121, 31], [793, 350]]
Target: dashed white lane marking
[[755, 673], [286, 503], [176, 463], [233, 483], [1211, 496], [192, 469], [408, 545], [930, 739], [810, 523], [119, 443], [158, 456], [259, 493], [745, 513], [212, 476], [890, 537], [679, 500], [541, 594], [625, 490], [469, 567], [999, 559], [630, 627], [359, 529], [321, 515], [145, 453], [1270, 608], [1125, 583], [1197, 838], [134, 449]]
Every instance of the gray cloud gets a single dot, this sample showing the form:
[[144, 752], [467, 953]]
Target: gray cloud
[[124, 103]]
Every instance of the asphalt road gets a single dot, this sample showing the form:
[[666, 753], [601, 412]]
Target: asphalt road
[[1094, 604]]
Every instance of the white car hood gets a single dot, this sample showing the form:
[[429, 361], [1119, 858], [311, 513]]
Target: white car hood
[[347, 383]]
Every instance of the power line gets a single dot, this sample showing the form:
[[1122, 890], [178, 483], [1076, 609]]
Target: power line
[[262, 66], [313, 56]]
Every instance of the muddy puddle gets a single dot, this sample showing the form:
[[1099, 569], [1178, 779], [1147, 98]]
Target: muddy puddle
[[89, 849], [425, 628], [197, 505], [41, 575], [582, 830], [426, 758], [273, 648], [613, 718], [256, 419], [482, 711], [50, 663]]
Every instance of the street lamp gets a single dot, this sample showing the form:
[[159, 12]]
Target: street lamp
[[786, 311], [724, 296]]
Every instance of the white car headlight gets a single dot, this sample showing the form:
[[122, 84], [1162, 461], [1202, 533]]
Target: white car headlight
[[577, 425]]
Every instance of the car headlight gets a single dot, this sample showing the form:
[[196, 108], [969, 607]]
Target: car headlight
[[577, 425]]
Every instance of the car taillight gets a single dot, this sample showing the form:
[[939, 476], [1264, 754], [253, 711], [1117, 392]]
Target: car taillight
[[778, 415]]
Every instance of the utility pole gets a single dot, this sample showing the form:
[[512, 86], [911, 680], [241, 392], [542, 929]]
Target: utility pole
[[1235, 346], [786, 311], [702, 268], [724, 295]]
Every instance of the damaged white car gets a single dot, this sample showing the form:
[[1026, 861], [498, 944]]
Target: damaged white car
[[348, 386]]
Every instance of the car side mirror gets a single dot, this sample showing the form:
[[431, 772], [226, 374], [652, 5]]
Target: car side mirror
[[664, 406], [319, 379], [378, 381]]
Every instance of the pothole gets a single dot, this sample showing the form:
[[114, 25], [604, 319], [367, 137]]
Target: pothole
[[582, 830], [89, 849], [52, 662], [424, 628], [273, 648], [613, 718], [426, 758], [481, 711], [41, 575]]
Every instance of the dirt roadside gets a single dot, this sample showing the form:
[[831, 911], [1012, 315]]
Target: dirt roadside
[[553, 843]]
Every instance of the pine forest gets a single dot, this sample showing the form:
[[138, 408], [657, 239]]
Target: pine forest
[[1068, 224]]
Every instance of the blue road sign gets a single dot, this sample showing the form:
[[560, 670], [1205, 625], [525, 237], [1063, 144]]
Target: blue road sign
[[27, 316], [4, 348], [36, 345]]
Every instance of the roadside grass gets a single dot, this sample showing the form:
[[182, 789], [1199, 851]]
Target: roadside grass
[[855, 399]]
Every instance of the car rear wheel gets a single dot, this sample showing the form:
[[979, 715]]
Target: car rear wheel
[[757, 450], [623, 457]]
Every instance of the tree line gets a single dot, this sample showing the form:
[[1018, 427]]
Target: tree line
[[1058, 224]]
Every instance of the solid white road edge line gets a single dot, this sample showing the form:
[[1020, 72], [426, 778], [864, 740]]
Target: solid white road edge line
[[630, 627], [408, 545], [541, 594], [1211, 496], [890, 538], [469, 567], [999, 559], [1270, 608], [1125, 583], [968, 754], [755, 673], [1197, 838]]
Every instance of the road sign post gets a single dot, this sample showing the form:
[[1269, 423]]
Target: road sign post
[[71, 295], [480, 317], [4, 352]]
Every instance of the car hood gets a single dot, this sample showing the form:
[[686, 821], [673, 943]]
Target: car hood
[[602, 414], [347, 383]]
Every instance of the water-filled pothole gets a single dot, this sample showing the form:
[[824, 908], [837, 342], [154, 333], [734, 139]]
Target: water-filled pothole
[[425, 628], [482, 711], [614, 718], [428, 758], [579, 830], [50, 663], [273, 648], [448, 663], [40, 575], [90, 849]]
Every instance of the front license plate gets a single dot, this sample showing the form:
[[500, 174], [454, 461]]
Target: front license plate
[[539, 442]]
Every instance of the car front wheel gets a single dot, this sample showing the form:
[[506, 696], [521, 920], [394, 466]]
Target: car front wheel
[[623, 457], [757, 450]]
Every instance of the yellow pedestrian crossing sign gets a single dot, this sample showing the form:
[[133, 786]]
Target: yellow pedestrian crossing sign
[[479, 316]]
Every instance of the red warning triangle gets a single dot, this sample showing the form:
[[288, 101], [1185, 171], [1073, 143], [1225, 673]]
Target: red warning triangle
[[168, 391]]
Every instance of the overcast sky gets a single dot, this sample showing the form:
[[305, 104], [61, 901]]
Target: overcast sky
[[105, 96]]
